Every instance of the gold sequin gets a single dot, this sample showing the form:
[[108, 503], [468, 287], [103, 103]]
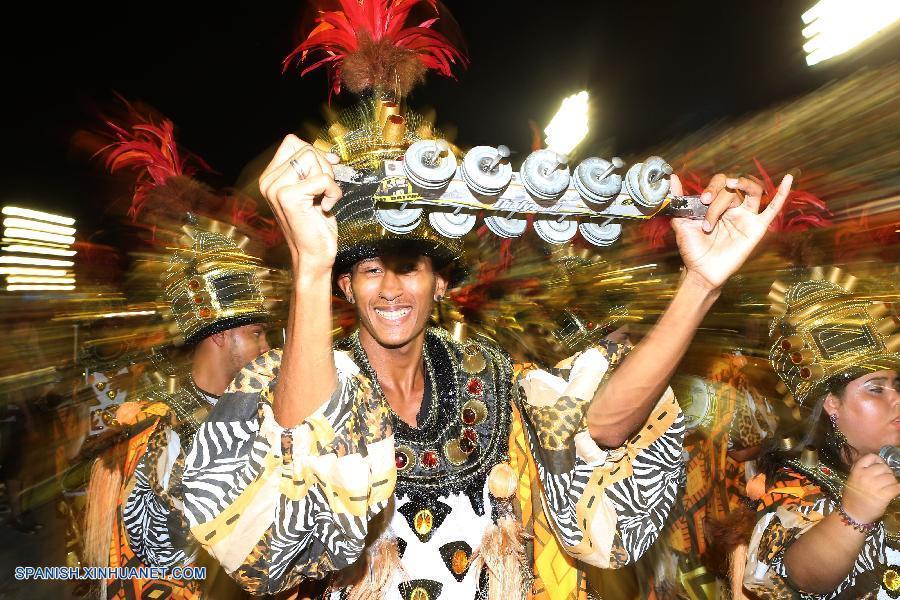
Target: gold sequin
[[891, 580]]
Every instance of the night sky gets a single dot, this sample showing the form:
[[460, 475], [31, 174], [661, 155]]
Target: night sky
[[654, 70]]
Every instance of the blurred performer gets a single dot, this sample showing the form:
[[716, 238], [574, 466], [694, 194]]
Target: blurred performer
[[725, 418], [828, 523], [216, 309], [215, 299], [409, 464]]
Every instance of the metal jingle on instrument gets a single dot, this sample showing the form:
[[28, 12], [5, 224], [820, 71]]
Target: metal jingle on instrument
[[595, 181], [653, 181], [399, 220], [545, 174], [505, 227], [452, 224], [556, 231], [600, 234], [430, 164], [486, 171], [630, 183]]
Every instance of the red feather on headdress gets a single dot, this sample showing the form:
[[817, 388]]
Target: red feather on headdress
[[151, 151], [366, 45], [803, 210]]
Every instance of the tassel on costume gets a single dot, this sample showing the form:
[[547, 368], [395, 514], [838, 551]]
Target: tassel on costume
[[382, 563], [729, 538], [502, 553], [103, 492]]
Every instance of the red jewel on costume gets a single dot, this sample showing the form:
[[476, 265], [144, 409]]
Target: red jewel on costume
[[204, 312], [198, 299], [466, 445], [400, 460], [429, 459], [194, 284], [826, 470], [590, 325], [469, 415], [475, 387], [470, 434]]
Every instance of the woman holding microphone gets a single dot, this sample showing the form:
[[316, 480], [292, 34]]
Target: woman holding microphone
[[826, 525]]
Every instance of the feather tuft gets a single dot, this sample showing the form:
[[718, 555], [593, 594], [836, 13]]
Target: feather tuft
[[367, 45], [502, 553]]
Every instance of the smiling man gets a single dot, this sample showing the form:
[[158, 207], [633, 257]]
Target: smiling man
[[409, 464]]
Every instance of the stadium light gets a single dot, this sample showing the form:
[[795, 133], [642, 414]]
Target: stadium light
[[833, 27]]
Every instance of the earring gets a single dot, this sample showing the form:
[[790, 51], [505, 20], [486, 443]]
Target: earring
[[439, 298], [837, 437], [350, 298]]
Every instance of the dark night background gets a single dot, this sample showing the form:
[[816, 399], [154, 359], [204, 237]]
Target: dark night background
[[654, 70]]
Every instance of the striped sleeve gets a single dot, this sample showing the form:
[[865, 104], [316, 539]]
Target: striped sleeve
[[275, 506], [155, 532], [605, 506]]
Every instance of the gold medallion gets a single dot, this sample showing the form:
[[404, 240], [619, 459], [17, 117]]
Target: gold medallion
[[423, 521]]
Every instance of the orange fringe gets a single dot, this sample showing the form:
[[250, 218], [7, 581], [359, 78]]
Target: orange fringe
[[502, 553], [103, 491], [383, 561]]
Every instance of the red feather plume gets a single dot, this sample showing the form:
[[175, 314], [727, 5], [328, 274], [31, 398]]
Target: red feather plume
[[150, 150], [366, 44], [803, 210]]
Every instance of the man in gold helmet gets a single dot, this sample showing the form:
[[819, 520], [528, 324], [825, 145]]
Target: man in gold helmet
[[213, 291]]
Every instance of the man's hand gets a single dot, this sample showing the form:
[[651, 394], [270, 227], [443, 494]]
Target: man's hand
[[714, 249], [299, 185]]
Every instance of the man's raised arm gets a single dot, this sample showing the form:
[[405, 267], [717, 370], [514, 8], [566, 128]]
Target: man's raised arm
[[712, 251], [299, 185]]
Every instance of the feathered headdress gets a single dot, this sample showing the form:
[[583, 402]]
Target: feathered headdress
[[149, 150], [368, 45]]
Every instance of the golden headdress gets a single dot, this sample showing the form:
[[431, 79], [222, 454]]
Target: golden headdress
[[375, 48], [211, 284], [824, 330]]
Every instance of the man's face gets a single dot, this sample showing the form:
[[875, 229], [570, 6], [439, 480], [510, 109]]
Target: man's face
[[394, 295], [245, 343]]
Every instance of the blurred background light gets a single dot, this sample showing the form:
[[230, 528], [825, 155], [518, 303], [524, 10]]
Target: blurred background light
[[836, 26], [28, 232], [569, 125], [37, 214]]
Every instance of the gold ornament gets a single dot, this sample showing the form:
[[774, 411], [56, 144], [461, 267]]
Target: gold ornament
[[211, 284], [824, 329], [502, 481], [454, 453], [459, 562], [473, 359], [419, 594], [891, 580], [423, 521]]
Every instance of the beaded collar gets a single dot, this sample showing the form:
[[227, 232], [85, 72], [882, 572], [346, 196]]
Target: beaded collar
[[466, 430]]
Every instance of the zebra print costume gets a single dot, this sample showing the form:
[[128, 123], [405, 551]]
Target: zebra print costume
[[276, 506], [799, 498]]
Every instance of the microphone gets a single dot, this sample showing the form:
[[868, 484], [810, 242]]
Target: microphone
[[891, 455]]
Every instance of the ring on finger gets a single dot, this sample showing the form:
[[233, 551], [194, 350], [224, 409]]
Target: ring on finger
[[295, 164]]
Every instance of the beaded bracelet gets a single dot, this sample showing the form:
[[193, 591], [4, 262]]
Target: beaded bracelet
[[848, 520]]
